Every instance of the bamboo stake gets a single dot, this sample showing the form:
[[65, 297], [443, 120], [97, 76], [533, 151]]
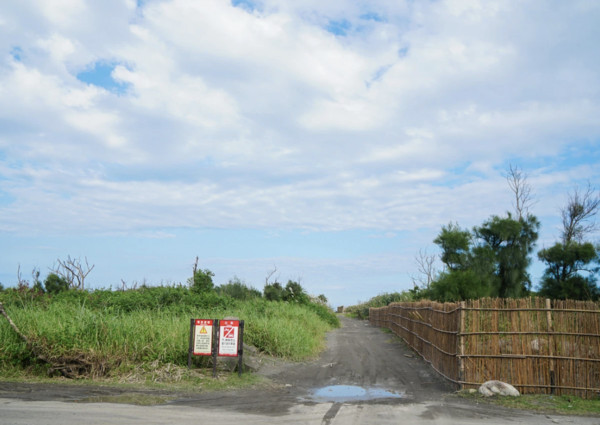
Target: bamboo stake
[[461, 359], [550, 345]]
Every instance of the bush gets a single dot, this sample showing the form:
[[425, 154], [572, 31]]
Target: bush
[[238, 290], [295, 293], [274, 292], [202, 281], [55, 284]]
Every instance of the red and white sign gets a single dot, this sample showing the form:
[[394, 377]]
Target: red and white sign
[[228, 337], [203, 332]]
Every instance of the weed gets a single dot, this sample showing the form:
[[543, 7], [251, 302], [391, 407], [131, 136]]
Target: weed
[[106, 333]]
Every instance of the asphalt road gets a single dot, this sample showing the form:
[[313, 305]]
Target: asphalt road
[[365, 376]]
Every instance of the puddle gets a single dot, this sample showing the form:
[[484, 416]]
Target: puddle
[[343, 393]]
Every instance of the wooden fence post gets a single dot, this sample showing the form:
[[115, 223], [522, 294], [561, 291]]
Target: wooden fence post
[[550, 345], [461, 340]]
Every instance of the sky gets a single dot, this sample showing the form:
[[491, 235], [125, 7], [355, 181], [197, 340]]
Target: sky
[[328, 141]]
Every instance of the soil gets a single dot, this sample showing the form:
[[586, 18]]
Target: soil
[[358, 357]]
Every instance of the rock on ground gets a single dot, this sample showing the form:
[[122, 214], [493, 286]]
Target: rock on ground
[[491, 388]]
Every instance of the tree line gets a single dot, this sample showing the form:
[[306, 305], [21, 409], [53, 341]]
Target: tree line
[[492, 260]]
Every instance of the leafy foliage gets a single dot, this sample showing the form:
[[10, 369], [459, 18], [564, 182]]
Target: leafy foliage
[[295, 293], [238, 290], [55, 284], [202, 281], [274, 292], [565, 262], [492, 260], [511, 242]]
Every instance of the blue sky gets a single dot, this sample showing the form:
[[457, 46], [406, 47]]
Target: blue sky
[[330, 140]]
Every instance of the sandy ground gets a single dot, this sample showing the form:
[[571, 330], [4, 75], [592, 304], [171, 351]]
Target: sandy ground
[[364, 376]]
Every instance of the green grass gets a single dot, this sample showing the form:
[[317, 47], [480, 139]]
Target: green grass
[[118, 332], [563, 404]]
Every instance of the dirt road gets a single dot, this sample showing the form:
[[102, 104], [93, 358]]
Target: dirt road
[[365, 376]]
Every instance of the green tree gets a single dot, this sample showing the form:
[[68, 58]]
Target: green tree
[[509, 243], [458, 285], [455, 244], [572, 256], [490, 261], [202, 281], [55, 284], [564, 264]]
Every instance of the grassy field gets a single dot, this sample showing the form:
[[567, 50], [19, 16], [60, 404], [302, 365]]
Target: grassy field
[[119, 334]]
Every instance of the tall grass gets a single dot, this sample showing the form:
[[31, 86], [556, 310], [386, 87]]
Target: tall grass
[[115, 330]]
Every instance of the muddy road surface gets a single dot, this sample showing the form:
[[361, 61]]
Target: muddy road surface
[[365, 376]]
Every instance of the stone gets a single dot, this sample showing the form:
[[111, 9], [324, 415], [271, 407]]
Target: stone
[[491, 388]]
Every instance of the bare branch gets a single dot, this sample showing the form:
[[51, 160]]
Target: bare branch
[[426, 268], [270, 274], [21, 283], [73, 271], [578, 216], [517, 181], [195, 268]]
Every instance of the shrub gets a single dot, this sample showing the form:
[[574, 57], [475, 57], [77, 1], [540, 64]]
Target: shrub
[[238, 290], [274, 292], [55, 284], [202, 281]]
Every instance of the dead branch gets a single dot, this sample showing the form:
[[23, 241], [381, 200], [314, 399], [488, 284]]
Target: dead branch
[[270, 274], [195, 268], [579, 213], [517, 181], [426, 268], [21, 283], [69, 368], [73, 271]]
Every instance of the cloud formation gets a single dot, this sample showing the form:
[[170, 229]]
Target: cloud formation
[[125, 116]]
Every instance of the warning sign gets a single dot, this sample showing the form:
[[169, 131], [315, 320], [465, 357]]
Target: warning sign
[[228, 339], [203, 333]]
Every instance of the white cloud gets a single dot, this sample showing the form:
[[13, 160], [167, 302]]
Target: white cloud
[[242, 119]]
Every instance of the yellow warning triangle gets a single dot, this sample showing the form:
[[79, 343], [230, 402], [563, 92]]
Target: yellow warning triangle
[[203, 330]]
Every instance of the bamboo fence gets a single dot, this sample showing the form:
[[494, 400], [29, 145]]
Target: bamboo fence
[[535, 344]]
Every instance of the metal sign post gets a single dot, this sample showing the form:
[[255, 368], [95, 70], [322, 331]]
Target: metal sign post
[[213, 337], [241, 349], [215, 348]]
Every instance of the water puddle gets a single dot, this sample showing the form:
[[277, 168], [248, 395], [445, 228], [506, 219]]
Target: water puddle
[[345, 393]]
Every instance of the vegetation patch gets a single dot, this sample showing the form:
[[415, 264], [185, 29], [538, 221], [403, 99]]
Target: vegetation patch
[[142, 334], [361, 310], [562, 404]]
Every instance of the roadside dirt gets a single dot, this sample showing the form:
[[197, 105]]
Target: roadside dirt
[[360, 355]]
